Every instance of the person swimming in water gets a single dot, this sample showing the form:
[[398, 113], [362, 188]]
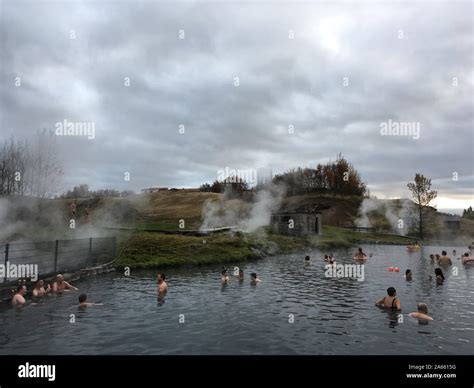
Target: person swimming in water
[[326, 258], [439, 275], [408, 274], [432, 258], [422, 313], [331, 259], [162, 286], [19, 296], [437, 256], [360, 255], [254, 278], [240, 276], [39, 289], [467, 259], [61, 285], [307, 259], [444, 259], [84, 303], [224, 276], [391, 301]]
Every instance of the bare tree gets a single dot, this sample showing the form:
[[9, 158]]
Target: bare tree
[[422, 196], [44, 169]]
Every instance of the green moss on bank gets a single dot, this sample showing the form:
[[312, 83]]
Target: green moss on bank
[[148, 249]]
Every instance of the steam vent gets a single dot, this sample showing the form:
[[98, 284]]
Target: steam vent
[[304, 220]]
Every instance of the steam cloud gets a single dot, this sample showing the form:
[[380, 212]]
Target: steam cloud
[[393, 214], [246, 218]]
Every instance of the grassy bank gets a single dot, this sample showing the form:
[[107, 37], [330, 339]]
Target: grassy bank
[[148, 249]]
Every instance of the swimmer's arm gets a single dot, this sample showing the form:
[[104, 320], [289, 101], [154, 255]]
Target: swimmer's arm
[[397, 304], [70, 286], [380, 302]]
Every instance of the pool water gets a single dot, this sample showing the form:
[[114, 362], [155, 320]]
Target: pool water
[[294, 310]]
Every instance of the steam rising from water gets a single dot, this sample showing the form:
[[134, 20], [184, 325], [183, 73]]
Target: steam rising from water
[[246, 217], [393, 214]]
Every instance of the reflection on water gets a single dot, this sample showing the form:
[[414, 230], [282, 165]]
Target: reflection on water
[[294, 310]]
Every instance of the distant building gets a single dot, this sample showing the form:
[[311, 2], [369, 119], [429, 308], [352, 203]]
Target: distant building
[[452, 222], [300, 221], [154, 189]]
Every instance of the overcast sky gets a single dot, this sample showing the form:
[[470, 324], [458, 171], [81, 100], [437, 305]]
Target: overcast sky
[[335, 72]]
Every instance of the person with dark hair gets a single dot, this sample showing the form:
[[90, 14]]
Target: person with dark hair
[[408, 274], [439, 275], [254, 279], [84, 303], [307, 259], [390, 301], [39, 289], [19, 296], [444, 259], [162, 286], [360, 255], [467, 259], [432, 258], [224, 276], [437, 256], [241, 275], [326, 258], [422, 313]]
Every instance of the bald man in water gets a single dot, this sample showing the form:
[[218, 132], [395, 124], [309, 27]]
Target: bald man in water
[[61, 285]]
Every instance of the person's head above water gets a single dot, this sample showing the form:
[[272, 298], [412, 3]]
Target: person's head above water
[[444, 253], [360, 250], [391, 291], [21, 289], [82, 298], [439, 272], [408, 272], [422, 308], [466, 254], [307, 258], [161, 277], [59, 277], [224, 272], [432, 256], [253, 275], [39, 283]]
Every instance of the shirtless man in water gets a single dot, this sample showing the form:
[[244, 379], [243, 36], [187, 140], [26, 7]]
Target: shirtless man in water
[[360, 255], [61, 285], [162, 286], [444, 259], [422, 313], [84, 303], [19, 297], [39, 289], [390, 301]]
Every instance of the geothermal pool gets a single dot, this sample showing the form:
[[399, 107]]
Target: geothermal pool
[[330, 315]]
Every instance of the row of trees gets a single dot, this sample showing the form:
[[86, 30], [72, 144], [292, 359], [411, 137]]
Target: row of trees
[[338, 178], [82, 191], [30, 168], [468, 213]]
